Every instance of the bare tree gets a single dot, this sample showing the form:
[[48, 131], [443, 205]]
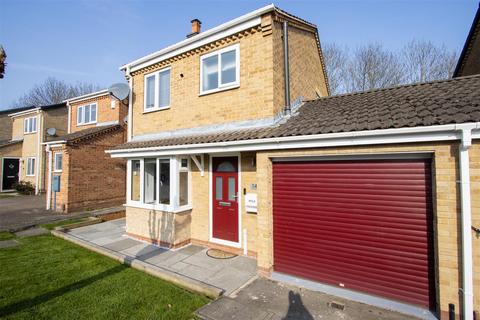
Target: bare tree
[[336, 59], [424, 61], [3, 57], [53, 91], [372, 67]]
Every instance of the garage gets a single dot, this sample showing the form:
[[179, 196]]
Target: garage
[[363, 225]]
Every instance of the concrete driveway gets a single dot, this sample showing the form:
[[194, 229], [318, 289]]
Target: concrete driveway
[[21, 212], [266, 299]]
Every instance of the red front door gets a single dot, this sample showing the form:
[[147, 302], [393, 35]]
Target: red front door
[[224, 198]]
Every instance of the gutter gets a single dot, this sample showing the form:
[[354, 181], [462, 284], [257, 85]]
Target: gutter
[[130, 104], [21, 113], [286, 69], [466, 222], [88, 96], [49, 186]]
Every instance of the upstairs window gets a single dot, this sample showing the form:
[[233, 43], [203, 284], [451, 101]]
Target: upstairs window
[[30, 125], [220, 70], [157, 90], [87, 114]]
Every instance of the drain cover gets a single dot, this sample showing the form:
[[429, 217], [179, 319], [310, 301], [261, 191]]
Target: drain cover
[[219, 254]]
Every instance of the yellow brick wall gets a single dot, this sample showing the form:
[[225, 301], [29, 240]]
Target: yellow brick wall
[[159, 227], [446, 209], [56, 118], [5, 127], [252, 100], [261, 91], [104, 111], [305, 65], [14, 150]]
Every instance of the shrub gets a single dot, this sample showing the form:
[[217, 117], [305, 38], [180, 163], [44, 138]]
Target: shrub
[[24, 187]]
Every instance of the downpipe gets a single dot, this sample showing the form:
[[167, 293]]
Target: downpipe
[[466, 219]]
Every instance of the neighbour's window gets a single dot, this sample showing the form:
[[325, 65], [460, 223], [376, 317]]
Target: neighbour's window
[[30, 167], [220, 70], [183, 187], [157, 90], [57, 163], [135, 180], [30, 125], [87, 114]]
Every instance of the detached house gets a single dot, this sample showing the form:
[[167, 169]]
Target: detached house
[[234, 143], [23, 157], [80, 175]]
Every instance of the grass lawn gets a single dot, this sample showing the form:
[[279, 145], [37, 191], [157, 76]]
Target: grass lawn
[[5, 235], [49, 278]]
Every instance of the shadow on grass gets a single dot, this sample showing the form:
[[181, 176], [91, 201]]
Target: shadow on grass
[[30, 303]]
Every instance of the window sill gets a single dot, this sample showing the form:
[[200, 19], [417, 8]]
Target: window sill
[[226, 88], [33, 132], [155, 109], [157, 207], [85, 124], [57, 171]]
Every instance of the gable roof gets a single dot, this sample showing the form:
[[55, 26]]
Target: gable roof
[[86, 134], [451, 101], [471, 44]]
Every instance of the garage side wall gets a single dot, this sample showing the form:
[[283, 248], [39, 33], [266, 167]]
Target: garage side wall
[[446, 208], [91, 179]]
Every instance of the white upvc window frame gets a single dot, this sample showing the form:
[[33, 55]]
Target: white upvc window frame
[[26, 125], [55, 161], [156, 95], [173, 206], [227, 86], [82, 107], [32, 166]]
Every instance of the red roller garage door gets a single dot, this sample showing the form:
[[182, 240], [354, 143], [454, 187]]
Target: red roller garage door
[[361, 225]]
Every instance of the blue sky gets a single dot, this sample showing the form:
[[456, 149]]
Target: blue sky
[[87, 40]]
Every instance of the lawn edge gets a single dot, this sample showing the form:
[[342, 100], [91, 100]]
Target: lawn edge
[[167, 275]]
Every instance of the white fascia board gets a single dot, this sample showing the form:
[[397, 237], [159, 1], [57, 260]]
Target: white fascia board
[[24, 112], [88, 96], [59, 142], [386, 136], [224, 30]]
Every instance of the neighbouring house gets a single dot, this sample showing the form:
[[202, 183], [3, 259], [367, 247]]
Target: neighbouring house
[[469, 61], [88, 177], [23, 158], [234, 143]]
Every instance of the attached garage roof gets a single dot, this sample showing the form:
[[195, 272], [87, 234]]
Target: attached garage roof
[[86, 134], [451, 101], [5, 143]]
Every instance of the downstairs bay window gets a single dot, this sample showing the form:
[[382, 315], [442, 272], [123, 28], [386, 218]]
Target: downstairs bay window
[[159, 183]]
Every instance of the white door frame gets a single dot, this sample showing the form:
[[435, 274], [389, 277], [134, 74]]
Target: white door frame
[[239, 200], [1, 173]]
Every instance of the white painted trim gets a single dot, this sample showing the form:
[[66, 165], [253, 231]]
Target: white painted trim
[[24, 112], [239, 200], [200, 165], [130, 106], [371, 137], [156, 94], [466, 221], [38, 162], [69, 125], [49, 182], [53, 144], [1, 173], [224, 30], [221, 87], [88, 96], [357, 156]]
